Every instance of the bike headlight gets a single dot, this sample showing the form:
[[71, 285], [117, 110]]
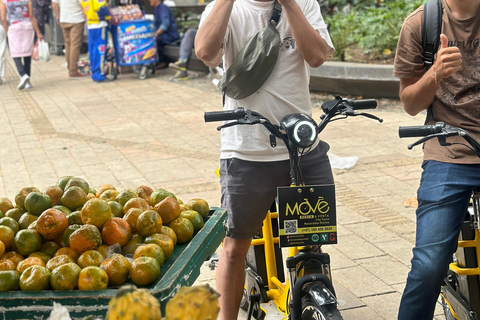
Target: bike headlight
[[301, 129]]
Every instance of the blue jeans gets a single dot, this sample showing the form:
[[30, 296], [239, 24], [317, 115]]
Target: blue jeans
[[443, 198]]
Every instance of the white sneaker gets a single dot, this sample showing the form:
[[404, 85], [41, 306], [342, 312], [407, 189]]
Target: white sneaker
[[28, 85], [23, 82]]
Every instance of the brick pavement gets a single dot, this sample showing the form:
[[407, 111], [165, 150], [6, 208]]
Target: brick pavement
[[131, 132]]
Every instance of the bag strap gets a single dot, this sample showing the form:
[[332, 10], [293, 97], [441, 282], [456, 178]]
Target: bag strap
[[432, 27]]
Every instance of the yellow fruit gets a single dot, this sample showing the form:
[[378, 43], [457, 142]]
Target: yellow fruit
[[28, 262], [168, 209], [104, 188], [144, 270], [65, 277], [117, 268], [136, 202], [5, 205], [160, 194], [35, 278], [9, 280], [62, 182], [15, 213], [131, 217], [150, 250], [199, 205], [37, 202], [27, 241], [15, 257], [64, 209], [55, 193], [11, 223], [68, 252], [103, 249], [42, 255], [109, 195], [78, 182], [195, 218], [164, 241], [96, 212], [116, 208], [149, 222], [90, 258], [125, 195], [67, 232], [169, 232], [193, 303], [2, 248], [74, 197], [22, 194], [26, 219], [92, 278], [6, 236], [183, 229], [6, 265], [144, 192], [58, 261], [133, 303]]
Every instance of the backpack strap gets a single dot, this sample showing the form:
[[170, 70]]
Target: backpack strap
[[277, 12], [432, 28]]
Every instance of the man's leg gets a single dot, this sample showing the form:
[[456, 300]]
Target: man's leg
[[67, 28], [76, 41], [97, 43], [230, 276], [186, 46]]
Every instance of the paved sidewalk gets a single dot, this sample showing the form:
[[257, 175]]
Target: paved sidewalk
[[131, 132]]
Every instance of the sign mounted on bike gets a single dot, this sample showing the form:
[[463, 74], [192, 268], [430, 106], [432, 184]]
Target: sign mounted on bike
[[307, 215]]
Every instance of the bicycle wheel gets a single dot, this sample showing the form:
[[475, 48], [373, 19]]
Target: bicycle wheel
[[446, 311], [312, 311]]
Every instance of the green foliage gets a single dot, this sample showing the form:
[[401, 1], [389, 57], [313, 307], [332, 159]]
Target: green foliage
[[370, 25]]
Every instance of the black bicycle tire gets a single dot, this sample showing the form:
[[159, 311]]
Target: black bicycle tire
[[310, 308]]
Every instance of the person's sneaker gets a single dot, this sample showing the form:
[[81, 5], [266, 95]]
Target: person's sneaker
[[77, 76], [28, 85], [23, 82], [179, 76], [179, 65], [162, 65]]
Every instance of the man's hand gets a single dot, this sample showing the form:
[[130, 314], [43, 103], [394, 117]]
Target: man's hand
[[449, 60]]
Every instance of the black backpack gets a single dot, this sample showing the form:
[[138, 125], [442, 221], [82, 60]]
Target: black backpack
[[432, 28]]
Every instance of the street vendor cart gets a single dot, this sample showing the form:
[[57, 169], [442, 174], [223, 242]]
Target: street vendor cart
[[181, 269]]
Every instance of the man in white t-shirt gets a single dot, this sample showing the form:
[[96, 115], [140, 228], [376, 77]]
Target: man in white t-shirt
[[70, 15], [250, 169]]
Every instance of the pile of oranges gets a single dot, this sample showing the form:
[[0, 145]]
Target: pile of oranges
[[71, 236]]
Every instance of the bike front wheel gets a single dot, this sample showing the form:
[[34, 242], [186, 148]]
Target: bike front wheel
[[311, 310]]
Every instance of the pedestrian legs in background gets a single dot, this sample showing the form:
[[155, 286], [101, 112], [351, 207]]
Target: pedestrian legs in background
[[186, 47], [97, 47], [73, 35], [3, 48], [40, 11], [23, 68]]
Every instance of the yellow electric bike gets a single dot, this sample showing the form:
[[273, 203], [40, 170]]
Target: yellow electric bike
[[308, 292], [460, 293]]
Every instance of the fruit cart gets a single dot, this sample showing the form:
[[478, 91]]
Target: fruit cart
[[181, 269]]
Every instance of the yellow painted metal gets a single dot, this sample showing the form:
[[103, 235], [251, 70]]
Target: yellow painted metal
[[450, 307], [475, 243]]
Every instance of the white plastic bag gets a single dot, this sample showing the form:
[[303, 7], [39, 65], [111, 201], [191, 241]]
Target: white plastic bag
[[43, 51], [338, 162]]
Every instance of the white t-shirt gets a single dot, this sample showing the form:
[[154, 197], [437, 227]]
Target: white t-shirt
[[70, 11], [286, 91]]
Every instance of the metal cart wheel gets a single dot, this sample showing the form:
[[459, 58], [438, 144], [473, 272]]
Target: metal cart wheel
[[142, 75]]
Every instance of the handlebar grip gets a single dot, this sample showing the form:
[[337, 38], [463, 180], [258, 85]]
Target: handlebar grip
[[419, 131], [224, 115], [364, 104]]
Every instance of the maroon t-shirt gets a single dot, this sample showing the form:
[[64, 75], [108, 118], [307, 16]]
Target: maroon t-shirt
[[457, 99]]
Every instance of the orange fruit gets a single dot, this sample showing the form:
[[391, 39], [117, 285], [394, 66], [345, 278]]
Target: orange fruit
[[35, 278], [42, 255], [15, 257], [125, 195], [96, 212], [195, 218], [144, 270], [37, 202], [109, 195], [22, 194], [6, 265], [62, 182], [150, 250], [90, 258], [103, 249], [131, 245], [92, 278], [78, 182], [28, 262], [6, 236], [131, 217], [149, 222], [27, 241], [184, 207], [116, 230], [160, 194], [166, 230], [55, 193], [5, 205], [74, 197], [75, 217], [65, 277], [183, 229], [2, 248], [144, 192], [199, 205], [136, 202], [67, 232], [26, 219], [52, 223], [164, 241], [58, 261], [104, 188], [117, 209], [15, 213], [87, 237], [68, 252], [64, 209], [90, 196], [168, 209], [9, 280], [117, 268], [11, 223]]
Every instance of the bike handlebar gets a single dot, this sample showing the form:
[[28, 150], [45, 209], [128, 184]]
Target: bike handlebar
[[363, 104], [224, 115], [419, 131]]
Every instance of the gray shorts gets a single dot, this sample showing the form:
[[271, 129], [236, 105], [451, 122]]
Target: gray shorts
[[249, 188]]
